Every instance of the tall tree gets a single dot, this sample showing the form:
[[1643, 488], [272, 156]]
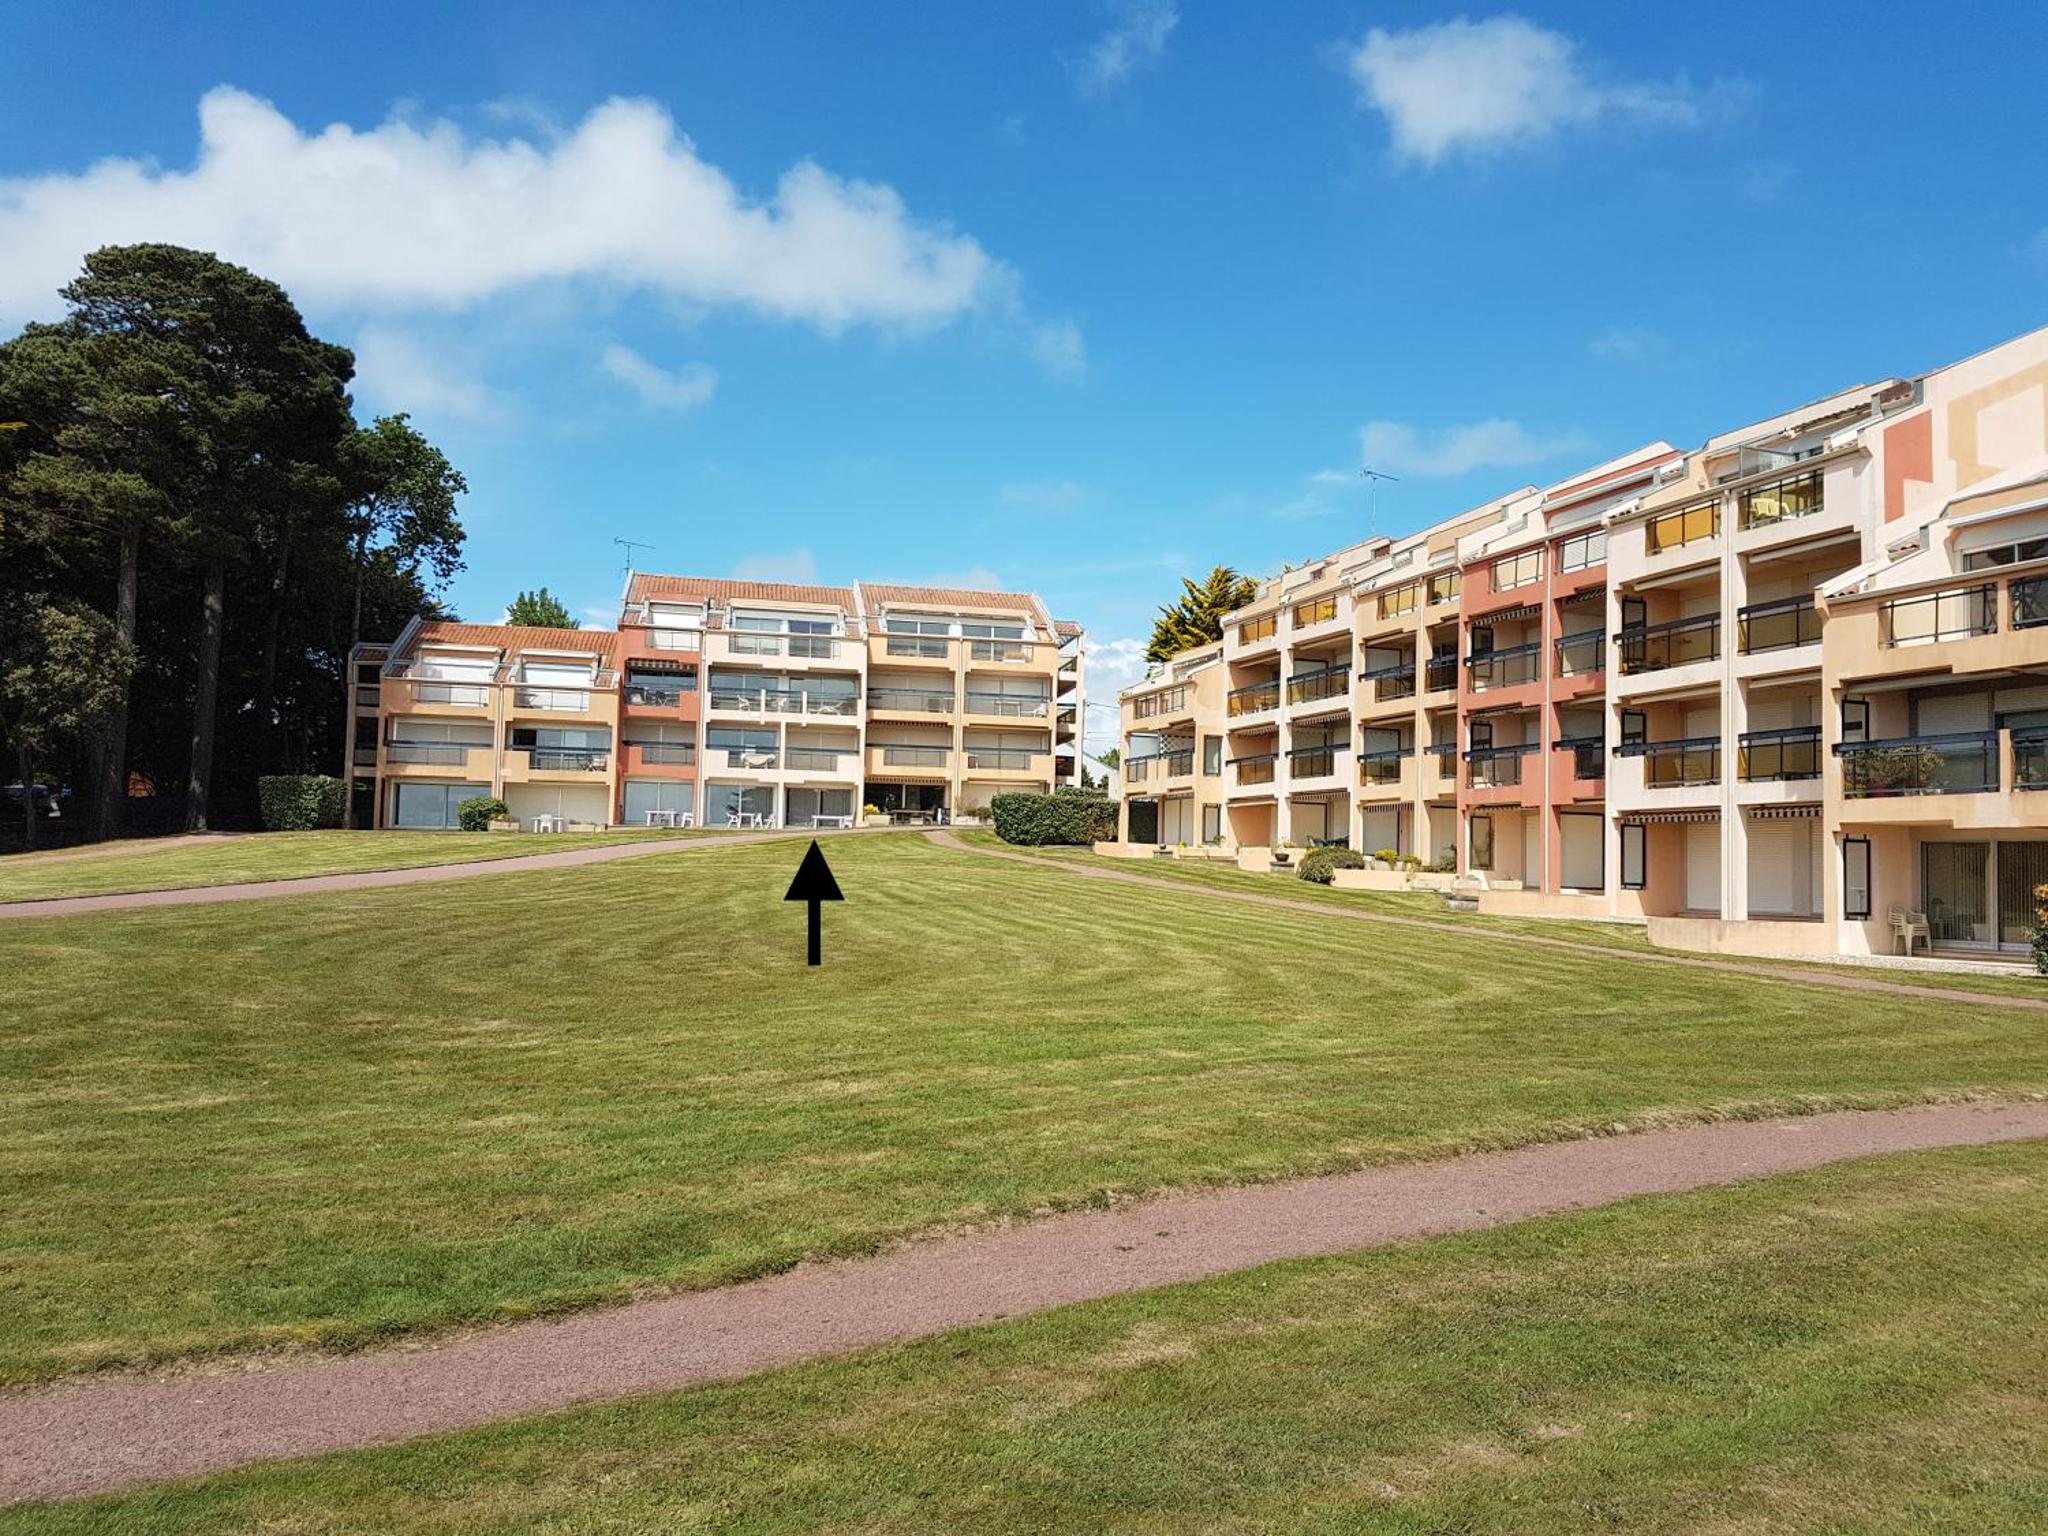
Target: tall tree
[[61, 667], [1196, 618], [401, 493], [540, 609], [266, 407]]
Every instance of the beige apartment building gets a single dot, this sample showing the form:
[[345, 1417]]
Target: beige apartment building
[[725, 703], [1787, 693]]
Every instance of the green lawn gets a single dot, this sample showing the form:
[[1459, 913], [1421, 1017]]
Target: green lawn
[[330, 1118], [1860, 1349], [279, 856]]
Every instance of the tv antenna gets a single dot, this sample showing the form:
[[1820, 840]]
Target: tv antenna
[[629, 545], [1374, 476]]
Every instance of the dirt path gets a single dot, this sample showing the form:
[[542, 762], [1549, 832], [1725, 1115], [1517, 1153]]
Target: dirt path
[[370, 879], [107, 1432], [1785, 973]]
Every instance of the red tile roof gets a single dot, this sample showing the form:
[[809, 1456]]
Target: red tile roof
[[516, 638], [713, 589], [950, 597]]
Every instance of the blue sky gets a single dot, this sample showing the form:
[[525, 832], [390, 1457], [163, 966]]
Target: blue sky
[[1070, 297]]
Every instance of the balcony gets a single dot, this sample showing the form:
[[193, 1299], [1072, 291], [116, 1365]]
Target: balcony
[[1964, 763], [1959, 613], [916, 760], [917, 647], [400, 692], [1496, 767], [1314, 762], [1776, 626], [363, 757], [664, 754], [1390, 683], [1659, 647], [815, 759], [1688, 525], [656, 695], [427, 754], [1510, 668], [1253, 699], [672, 639], [1258, 769], [1315, 612], [1383, 767], [912, 701], [2030, 758], [1773, 756], [566, 759], [1168, 701], [1781, 501], [2029, 602], [745, 759], [1684, 763], [1581, 655], [369, 695], [1002, 759], [1589, 755], [546, 700], [1311, 687], [1007, 653], [782, 701], [1014, 706], [1440, 674], [1260, 631]]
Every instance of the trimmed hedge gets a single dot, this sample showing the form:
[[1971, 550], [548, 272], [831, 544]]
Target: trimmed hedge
[[1319, 864], [1068, 816], [478, 812], [299, 802]]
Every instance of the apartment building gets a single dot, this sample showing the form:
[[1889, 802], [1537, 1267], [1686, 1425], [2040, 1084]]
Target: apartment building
[[1767, 696], [725, 702], [1170, 744]]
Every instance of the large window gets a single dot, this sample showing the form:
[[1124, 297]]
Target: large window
[[1634, 856], [1856, 877], [1316, 611], [1668, 530], [430, 805], [1403, 599], [2005, 554], [1212, 756], [1517, 570], [1482, 842], [1780, 500], [644, 795], [1582, 550]]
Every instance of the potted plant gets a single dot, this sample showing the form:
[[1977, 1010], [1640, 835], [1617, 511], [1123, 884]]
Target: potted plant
[[1283, 854], [873, 816]]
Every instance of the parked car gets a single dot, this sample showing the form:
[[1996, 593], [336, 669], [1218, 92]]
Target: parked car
[[49, 802]]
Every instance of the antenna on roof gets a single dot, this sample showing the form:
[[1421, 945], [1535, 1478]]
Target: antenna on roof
[[1372, 526], [629, 545]]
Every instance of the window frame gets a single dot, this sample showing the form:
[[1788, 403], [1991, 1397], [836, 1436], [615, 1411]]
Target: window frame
[[1851, 846], [1639, 855]]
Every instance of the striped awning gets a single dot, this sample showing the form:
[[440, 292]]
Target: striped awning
[[1667, 818], [1509, 615], [1782, 812], [1586, 598]]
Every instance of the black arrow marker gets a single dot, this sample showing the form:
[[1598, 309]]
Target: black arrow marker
[[814, 883]]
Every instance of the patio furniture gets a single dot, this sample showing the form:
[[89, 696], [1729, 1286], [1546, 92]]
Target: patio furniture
[[662, 818], [842, 822], [547, 822], [1908, 925]]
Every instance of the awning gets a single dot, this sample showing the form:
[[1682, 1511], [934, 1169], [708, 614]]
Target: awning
[[1782, 812], [1667, 818], [662, 664], [1509, 615], [1587, 598]]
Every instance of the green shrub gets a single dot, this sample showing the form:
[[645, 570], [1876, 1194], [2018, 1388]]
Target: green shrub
[[1319, 864], [1067, 816], [299, 802], [1387, 856], [478, 812]]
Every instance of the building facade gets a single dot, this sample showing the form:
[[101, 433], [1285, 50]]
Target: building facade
[[1787, 693], [725, 702]]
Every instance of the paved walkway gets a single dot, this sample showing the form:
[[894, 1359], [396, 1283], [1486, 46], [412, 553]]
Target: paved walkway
[[370, 879], [107, 1432], [1788, 972]]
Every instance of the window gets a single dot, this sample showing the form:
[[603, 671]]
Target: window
[[1517, 570], [1635, 613], [1319, 611], [1261, 628], [1403, 599], [1634, 727], [1762, 505], [1582, 550], [1856, 877], [1855, 719], [1212, 756], [1668, 530], [1443, 586], [1212, 823], [1634, 856], [2005, 554], [1482, 842], [1482, 735]]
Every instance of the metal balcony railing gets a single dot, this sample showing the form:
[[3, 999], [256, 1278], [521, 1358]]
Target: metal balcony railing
[[1505, 669], [751, 759], [1960, 763], [1252, 631], [927, 701], [567, 759], [1007, 652], [1383, 767], [1760, 506], [368, 695], [1329, 683], [572, 700], [1582, 654], [1769, 756], [930, 647], [754, 642], [439, 754], [1396, 682], [1668, 530], [1496, 767], [1257, 769], [1956, 614], [2029, 602], [466, 695], [655, 695], [2030, 758], [1440, 673], [1316, 611], [1001, 758], [671, 754], [1253, 698], [1168, 701], [1021, 705], [1657, 647], [914, 757], [815, 759], [1776, 626], [1314, 762], [1589, 755], [1681, 763]]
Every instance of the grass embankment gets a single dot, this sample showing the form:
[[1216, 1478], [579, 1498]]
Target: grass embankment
[[1856, 1349], [329, 1118], [282, 856]]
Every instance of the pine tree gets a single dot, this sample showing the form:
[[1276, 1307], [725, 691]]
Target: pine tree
[[1197, 618]]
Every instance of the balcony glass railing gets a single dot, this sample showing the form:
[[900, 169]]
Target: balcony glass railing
[[1007, 758], [1170, 701], [1963, 763], [1505, 669], [1308, 687], [750, 759], [1582, 654], [1780, 501], [2030, 602], [1440, 674], [654, 695], [569, 699], [1252, 631], [467, 695], [672, 754], [1768, 756], [743, 642], [1777, 626], [1589, 755], [815, 759], [1677, 764], [1496, 767], [1382, 767], [674, 640], [568, 759], [914, 757], [368, 695], [929, 647], [1657, 647], [1668, 530], [1314, 762], [1021, 705], [1179, 765], [922, 701], [1392, 682], [1255, 770], [1005, 652], [439, 754], [1253, 699], [1957, 614], [1319, 611], [2030, 758]]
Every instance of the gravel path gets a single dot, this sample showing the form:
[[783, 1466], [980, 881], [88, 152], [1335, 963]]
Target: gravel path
[[106, 1432], [370, 879], [1786, 973]]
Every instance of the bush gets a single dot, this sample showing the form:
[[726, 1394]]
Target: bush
[[1319, 864], [478, 812], [299, 802], [2041, 929], [1067, 816]]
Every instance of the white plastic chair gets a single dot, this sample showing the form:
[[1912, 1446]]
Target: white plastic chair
[[1908, 925]]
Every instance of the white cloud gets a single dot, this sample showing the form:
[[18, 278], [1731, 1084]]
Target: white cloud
[[1477, 87], [1058, 349], [1137, 34], [397, 370], [681, 389], [976, 578], [1112, 665], [1048, 497], [799, 566], [412, 215], [1628, 344], [1495, 443]]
